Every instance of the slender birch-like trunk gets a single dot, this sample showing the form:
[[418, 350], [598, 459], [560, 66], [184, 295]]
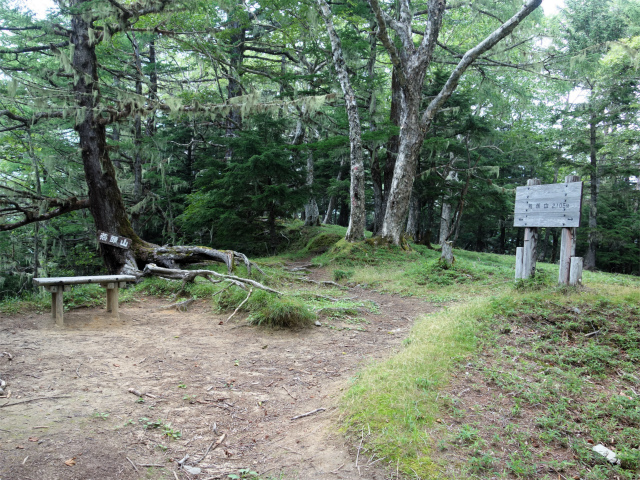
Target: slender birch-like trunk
[[590, 257], [355, 231]]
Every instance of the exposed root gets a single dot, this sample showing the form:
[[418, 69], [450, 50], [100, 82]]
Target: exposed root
[[322, 282], [190, 275], [240, 306]]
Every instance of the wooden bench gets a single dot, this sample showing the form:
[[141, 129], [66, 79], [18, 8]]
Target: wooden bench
[[58, 285]]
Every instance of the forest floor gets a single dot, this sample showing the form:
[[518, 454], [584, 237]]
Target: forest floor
[[70, 415]]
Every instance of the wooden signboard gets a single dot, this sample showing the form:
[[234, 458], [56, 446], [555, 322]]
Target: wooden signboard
[[114, 240], [555, 205]]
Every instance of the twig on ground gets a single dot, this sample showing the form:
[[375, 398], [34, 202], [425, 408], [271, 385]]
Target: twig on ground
[[135, 392], [285, 389], [290, 450], [213, 446], [132, 464], [323, 282], [308, 413], [240, 306], [33, 400], [336, 470], [151, 465]]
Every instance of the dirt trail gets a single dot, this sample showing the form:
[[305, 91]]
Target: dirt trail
[[205, 379]]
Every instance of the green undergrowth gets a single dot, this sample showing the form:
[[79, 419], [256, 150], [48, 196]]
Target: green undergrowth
[[557, 372], [545, 373], [267, 309], [304, 241], [393, 404]]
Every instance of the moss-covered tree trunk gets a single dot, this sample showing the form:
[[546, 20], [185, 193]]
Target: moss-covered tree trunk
[[105, 199]]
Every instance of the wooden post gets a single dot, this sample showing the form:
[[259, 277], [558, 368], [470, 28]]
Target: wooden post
[[565, 256], [57, 307], [567, 245], [519, 255], [575, 275], [530, 253], [112, 298]]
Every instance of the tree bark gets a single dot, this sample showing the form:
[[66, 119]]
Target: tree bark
[[411, 63], [355, 231], [311, 213], [590, 257], [105, 199], [332, 199], [378, 200], [413, 222]]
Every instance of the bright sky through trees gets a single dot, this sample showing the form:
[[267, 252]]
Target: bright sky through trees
[[40, 6]]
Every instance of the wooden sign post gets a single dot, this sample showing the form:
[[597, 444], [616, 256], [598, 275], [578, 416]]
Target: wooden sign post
[[555, 205]]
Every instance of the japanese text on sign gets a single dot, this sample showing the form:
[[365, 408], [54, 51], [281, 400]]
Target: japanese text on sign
[[114, 240], [556, 205]]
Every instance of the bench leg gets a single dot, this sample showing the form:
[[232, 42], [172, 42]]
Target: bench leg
[[57, 308], [112, 300]]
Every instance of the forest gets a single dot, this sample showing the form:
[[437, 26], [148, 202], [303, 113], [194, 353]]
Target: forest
[[186, 124]]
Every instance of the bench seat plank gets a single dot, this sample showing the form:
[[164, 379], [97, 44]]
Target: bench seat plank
[[83, 280]]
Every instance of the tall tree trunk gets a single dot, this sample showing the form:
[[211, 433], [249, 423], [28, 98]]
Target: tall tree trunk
[[378, 200], [153, 88], [137, 141], [590, 257], [394, 141], [503, 236], [234, 87], [412, 63], [343, 216], [311, 213], [545, 245], [410, 143], [554, 245], [106, 203], [446, 217], [332, 199], [355, 231], [413, 222]]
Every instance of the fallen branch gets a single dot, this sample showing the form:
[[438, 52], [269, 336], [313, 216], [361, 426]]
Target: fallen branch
[[132, 464], [240, 306], [308, 413], [190, 275], [33, 400], [139, 394], [323, 282], [213, 446]]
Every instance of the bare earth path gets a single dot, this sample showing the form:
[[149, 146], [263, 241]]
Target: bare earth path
[[205, 379]]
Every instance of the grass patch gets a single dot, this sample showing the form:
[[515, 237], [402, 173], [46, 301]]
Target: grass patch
[[396, 399], [268, 310], [556, 373]]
